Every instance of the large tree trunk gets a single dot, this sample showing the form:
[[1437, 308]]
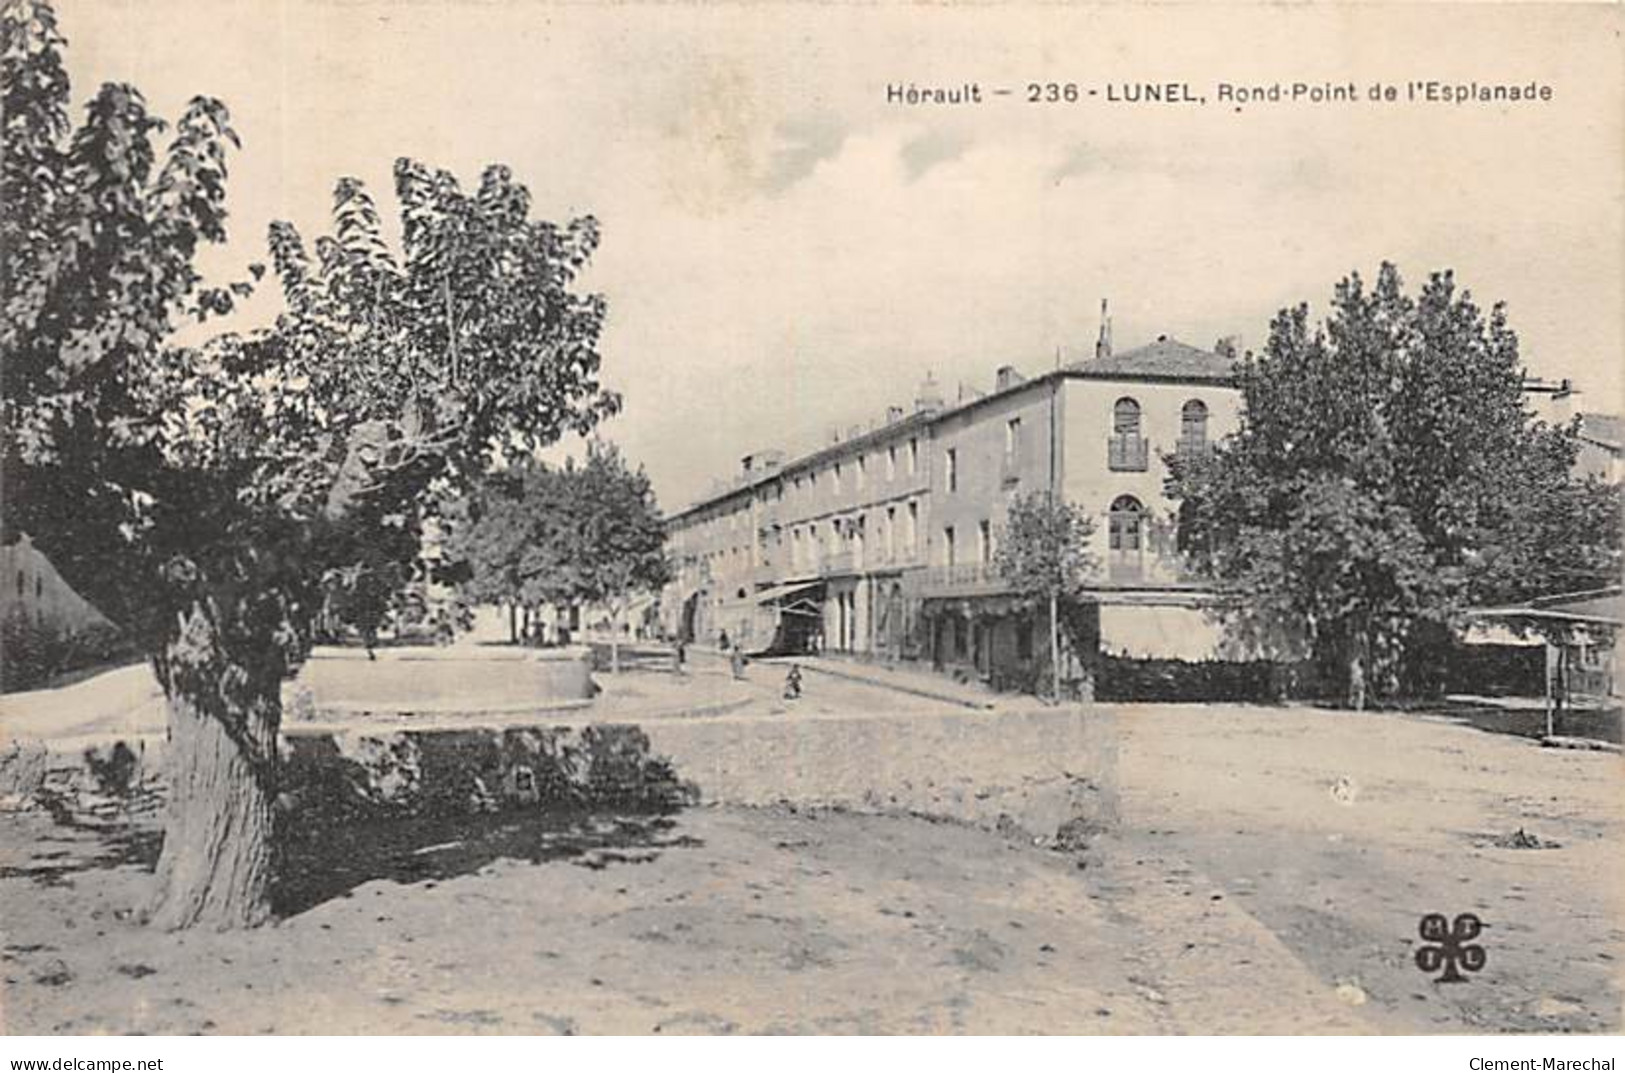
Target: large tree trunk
[[216, 865]]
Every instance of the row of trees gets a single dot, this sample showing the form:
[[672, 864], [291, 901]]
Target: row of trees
[[534, 535]]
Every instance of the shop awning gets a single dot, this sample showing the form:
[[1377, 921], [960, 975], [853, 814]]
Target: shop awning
[[778, 592]]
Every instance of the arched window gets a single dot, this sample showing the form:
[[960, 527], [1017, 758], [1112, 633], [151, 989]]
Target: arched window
[[1126, 524], [1126, 418], [1125, 447], [1193, 423]]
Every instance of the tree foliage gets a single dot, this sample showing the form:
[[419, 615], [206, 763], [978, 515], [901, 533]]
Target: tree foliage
[[1387, 475], [1043, 547], [205, 496], [534, 534]]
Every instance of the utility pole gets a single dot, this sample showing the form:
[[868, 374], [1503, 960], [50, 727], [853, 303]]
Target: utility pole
[[1054, 500]]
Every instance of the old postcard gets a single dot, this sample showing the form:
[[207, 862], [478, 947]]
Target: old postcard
[[529, 518]]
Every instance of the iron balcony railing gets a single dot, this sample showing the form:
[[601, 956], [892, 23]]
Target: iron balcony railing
[[963, 577], [1191, 446], [1127, 453]]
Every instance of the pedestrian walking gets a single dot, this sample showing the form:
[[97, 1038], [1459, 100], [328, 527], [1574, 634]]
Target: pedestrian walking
[[737, 662], [792, 683]]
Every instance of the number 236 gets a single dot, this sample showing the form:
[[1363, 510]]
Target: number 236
[[1051, 92]]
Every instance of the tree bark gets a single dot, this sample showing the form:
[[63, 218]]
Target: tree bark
[[216, 865], [513, 623], [617, 609], [215, 869]]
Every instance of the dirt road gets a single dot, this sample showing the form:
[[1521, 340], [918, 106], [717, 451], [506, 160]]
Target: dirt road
[[1268, 876], [1338, 831], [724, 921]]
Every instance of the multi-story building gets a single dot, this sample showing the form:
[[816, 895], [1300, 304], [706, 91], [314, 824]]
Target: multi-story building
[[882, 543]]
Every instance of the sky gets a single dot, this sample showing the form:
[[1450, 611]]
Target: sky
[[786, 252]]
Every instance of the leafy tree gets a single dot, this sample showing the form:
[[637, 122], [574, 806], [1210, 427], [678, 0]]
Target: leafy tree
[[589, 533], [1043, 551], [498, 537], [1386, 476], [612, 535], [201, 495]]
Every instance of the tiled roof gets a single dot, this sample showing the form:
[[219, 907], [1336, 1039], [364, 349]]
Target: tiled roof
[[1165, 357], [1608, 428]]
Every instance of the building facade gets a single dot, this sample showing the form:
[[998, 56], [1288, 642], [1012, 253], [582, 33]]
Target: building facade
[[882, 543], [34, 593]]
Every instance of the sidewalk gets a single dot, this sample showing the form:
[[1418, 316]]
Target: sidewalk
[[903, 679]]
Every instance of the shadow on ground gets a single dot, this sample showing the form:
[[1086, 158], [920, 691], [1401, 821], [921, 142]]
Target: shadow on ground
[[1596, 724], [318, 864], [70, 845]]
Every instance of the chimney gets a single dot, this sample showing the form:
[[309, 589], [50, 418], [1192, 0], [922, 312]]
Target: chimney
[[928, 400], [1006, 378], [1103, 345], [1228, 346], [894, 414]]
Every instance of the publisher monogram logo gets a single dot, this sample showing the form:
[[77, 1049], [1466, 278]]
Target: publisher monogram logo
[[1449, 945]]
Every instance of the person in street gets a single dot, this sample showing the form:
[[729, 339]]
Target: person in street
[[792, 683], [737, 662], [681, 653], [722, 640]]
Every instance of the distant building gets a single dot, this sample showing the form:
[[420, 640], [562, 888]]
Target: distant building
[[882, 543], [31, 590], [1601, 437]]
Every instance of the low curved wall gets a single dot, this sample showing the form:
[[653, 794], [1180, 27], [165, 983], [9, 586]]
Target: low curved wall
[[463, 679]]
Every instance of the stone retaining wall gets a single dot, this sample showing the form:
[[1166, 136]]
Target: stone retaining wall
[[1039, 769], [1048, 774]]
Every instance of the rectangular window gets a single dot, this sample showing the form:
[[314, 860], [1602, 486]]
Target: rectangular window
[[862, 472], [891, 532], [948, 550], [1012, 439], [913, 457], [950, 464], [891, 462], [835, 478], [984, 542], [913, 532]]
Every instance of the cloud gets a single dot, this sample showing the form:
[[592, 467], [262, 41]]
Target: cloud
[[935, 147], [803, 143]]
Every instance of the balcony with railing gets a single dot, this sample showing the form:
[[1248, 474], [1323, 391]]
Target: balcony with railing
[[1127, 453], [964, 579], [891, 558], [1192, 446]]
